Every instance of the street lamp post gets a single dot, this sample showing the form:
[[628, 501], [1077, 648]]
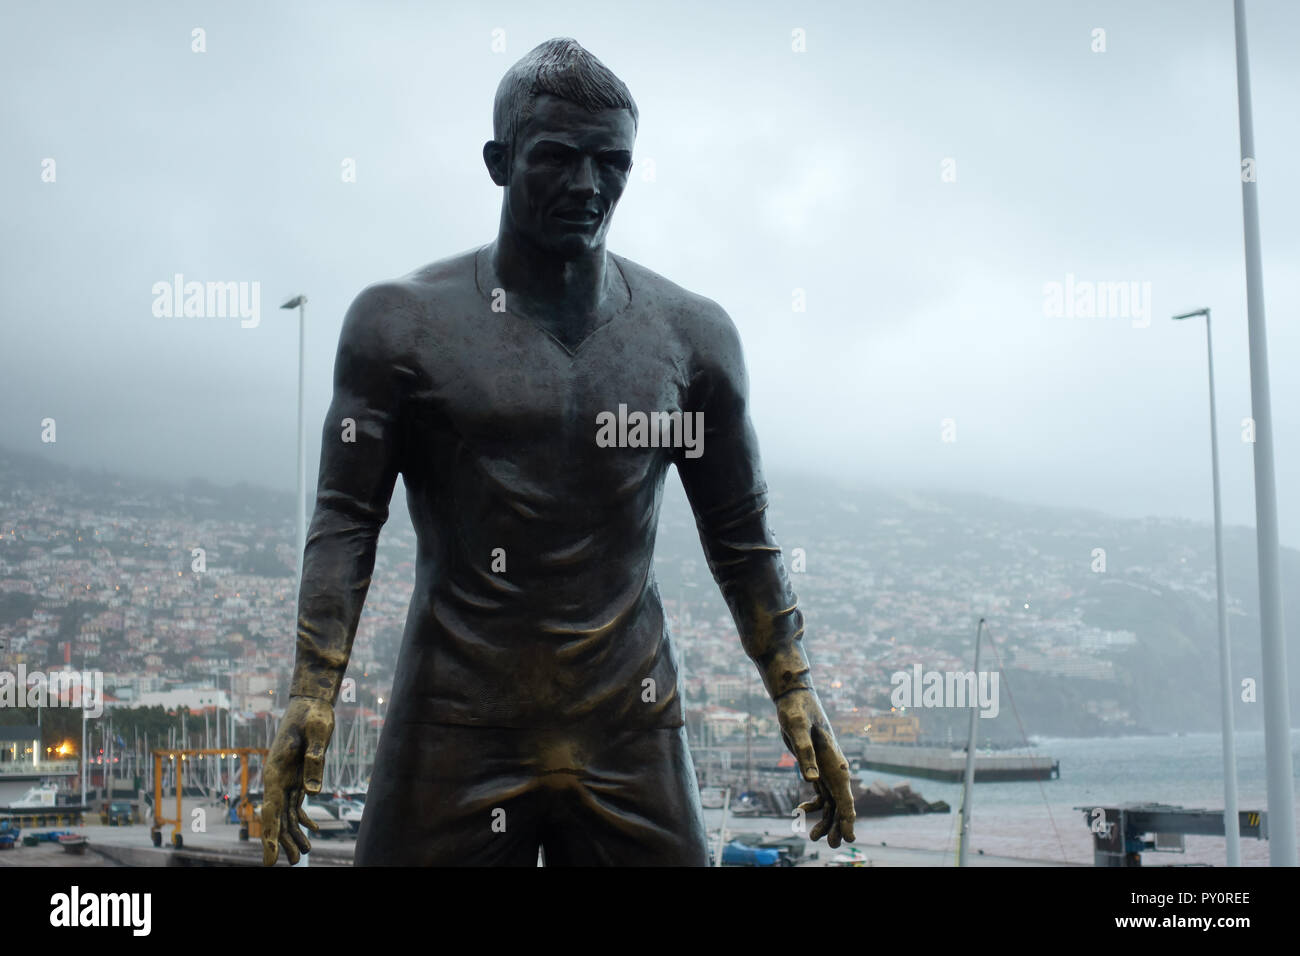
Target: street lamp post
[[968, 777], [85, 765], [379, 712], [1277, 705], [1231, 827], [299, 302]]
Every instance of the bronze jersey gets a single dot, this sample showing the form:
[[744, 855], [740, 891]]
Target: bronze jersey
[[534, 474]]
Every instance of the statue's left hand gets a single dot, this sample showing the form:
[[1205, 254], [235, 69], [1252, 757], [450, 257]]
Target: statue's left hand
[[807, 732], [293, 770]]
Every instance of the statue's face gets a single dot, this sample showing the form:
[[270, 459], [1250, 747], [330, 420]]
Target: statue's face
[[568, 169]]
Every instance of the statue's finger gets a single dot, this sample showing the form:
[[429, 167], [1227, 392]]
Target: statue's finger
[[270, 844], [824, 824], [823, 804], [816, 803], [317, 738], [304, 844], [304, 818], [293, 813], [290, 851], [833, 837], [271, 808], [843, 796], [839, 781], [804, 753], [847, 819], [286, 839]]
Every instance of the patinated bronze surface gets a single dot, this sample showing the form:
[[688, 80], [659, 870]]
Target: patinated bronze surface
[[536, 700]]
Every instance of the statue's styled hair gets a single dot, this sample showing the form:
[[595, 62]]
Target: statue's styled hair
[[560, 67]]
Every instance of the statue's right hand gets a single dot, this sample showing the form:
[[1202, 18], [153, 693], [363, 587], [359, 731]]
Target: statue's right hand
[[294, 769]]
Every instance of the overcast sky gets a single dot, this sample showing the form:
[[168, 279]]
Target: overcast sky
[[773, 170]]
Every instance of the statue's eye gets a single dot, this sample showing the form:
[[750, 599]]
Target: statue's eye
[[620, 161], [551, 155]]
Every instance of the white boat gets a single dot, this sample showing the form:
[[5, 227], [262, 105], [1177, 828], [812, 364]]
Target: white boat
[[851, 856], [351, 815], [44, 795], [328, 823], [359, 792], [711, 798]]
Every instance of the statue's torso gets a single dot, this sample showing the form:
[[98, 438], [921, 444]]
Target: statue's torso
[[535, 601]]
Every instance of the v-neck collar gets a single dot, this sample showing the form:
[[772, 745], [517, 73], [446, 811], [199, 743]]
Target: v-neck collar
[[572, 352]]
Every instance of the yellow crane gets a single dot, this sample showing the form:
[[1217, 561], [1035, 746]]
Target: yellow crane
[[249, 824]]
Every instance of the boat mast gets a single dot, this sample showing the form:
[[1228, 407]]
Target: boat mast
[[969, 780], [722, 829]]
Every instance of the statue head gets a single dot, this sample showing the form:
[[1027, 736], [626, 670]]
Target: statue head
[[563, 127]]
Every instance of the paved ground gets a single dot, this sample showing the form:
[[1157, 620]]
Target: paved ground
[[50, 854], [867, 854], [218, 843], [213, 842]]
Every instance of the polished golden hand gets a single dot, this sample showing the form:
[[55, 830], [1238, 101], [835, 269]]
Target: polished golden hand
[[808, 734], [294, 769]]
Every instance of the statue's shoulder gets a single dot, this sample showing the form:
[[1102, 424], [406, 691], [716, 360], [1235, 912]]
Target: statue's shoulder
[[398, 306], [698, 320], [695, 316], [452, 276]]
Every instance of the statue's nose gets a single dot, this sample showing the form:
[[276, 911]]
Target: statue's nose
[[584, 178]]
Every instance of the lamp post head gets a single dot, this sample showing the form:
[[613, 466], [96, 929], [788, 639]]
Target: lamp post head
[[1191, 315], [293, 303]]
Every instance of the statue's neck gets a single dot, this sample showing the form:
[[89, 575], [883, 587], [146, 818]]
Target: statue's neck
[[550, 288]]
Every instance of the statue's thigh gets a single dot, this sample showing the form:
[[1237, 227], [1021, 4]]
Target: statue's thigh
[[450, 796], [634, 804]]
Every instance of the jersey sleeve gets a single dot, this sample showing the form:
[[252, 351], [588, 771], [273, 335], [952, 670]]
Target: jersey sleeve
[[724, 483], [360, 460]]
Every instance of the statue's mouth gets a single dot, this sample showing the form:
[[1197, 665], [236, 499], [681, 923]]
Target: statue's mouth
[[578, 217]]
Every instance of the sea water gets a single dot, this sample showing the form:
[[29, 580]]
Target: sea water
[[1038, 819]]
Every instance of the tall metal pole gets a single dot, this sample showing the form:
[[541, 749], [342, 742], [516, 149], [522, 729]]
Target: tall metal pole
[[302, 437], [749, 741], [968, 782], [1231, 827], [722, 830], [300, 543], [299, 302], [230, 715], [1231, 824], [84, 762], [1277, 718]]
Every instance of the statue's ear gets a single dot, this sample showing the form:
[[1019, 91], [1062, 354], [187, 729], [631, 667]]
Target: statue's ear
[[496, 156]]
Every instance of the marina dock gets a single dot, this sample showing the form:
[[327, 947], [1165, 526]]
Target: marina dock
[[942, 763], [130, 846]]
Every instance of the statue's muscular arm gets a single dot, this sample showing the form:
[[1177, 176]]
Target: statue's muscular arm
[[729, 498], [354, 489]]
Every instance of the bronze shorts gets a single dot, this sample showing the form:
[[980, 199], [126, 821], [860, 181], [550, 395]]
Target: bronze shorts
[[450, 795]]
